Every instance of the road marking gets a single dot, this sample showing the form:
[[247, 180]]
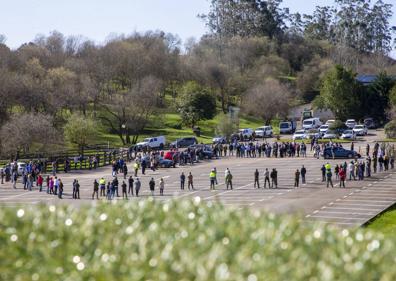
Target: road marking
[[334, 217], [220, 193]]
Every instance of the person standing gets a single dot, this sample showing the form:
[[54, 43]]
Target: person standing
[[274, 178], [329, 176], [296, 178], [95, 190], [137, 186], [182, 181], [124, 190], [228, 179], [125, 170], [342, 175], [212, 178], [77, 193], [303, 173], [102, 183], [56, 185], [256, 178], [136, 168], [60, 191], [2, 175], [162, 186], [267, 178], [215, 175], [115, 186], [152, 186], [47, 181], [130, 186], [190, 181], [323, 169], [40, 182]]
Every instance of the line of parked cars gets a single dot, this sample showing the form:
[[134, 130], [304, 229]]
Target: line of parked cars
[[313, 127]]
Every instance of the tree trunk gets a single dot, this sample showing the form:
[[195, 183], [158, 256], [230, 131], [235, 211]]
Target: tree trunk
[[223, 102]]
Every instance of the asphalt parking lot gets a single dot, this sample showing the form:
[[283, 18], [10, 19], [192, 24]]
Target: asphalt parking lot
[[354, 205]]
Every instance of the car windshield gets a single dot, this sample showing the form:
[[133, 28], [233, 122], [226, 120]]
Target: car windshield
[[359, 127], [350, 121], [309, 122], [260, 129], [299, 132], [146, 140], [348, 132], [324, 127], [284, 125]]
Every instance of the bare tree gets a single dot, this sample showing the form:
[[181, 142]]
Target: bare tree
[[128, 112], [28, 132], [267, 100]]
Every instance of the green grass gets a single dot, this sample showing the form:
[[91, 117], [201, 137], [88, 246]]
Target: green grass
[[386, 223], [183, 240], [170, 127]]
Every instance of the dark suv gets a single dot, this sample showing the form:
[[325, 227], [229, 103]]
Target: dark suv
[[184, 142]]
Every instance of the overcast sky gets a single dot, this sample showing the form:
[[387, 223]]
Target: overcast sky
[[22, 20]]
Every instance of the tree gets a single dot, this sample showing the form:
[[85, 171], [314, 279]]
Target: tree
[[390, 129], [80, 130], [128, 111], [195, 103], [341, 93], [226, 126], [267, 100], [376, 101], [246, 18], [28, 132]]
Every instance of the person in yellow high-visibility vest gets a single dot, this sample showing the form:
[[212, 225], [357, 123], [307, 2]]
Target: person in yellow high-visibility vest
[[136, 168], [102, 184], [212, 177]]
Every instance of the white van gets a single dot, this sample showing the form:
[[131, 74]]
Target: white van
[[155, 142], [311, 123]]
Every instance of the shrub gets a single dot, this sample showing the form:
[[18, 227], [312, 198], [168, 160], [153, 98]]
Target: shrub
[[390, 129], [182, 240]]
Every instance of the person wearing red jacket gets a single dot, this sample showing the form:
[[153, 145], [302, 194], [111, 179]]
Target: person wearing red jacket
[[40, 182], [342, 175]]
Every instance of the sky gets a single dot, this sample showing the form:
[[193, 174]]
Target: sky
[[22, 20]]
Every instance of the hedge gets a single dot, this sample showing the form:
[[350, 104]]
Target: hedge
[[184, 240]]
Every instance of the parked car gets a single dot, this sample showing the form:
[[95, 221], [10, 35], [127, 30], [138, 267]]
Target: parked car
[[313, 133], [370, 123], [287, 127], [360, 130], [339, 152], [246, 133], [350, 123], [170, 154], [263, 132], [21, 168], [219, 139], [311, 123], [299, 135], [330, 135], [203, 150], [330, 122], [154, 142], [165, 163], [323, 129], [348, 135], [184, 142]]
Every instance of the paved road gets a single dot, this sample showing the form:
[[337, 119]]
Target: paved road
[[352, 206]]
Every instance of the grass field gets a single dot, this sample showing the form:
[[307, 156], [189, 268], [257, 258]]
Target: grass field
[[170, 126], [386, 223]]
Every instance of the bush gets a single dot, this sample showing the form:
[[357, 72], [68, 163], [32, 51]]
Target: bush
[[390, 129], [182, 240]]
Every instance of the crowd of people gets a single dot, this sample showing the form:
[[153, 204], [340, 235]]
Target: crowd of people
[[380, 158]]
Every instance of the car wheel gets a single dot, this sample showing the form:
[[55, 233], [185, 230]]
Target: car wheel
[[350, 155], [326, 156]]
